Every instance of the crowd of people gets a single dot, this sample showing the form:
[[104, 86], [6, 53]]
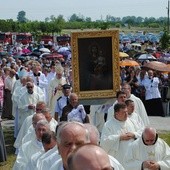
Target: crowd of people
[[54, 131]]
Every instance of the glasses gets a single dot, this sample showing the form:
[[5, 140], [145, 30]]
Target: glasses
[[29, 87], [38, 109]]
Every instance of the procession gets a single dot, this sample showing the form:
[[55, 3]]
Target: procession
[[81, 92], [37, 94]]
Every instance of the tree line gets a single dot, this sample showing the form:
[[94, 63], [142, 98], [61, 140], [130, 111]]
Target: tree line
[[54, 24]]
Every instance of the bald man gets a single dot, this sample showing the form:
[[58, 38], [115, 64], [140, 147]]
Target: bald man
[[69, 136], [148, 152], [89, 157]]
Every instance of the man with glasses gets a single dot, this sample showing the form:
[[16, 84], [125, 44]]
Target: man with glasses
[[148, 152], [27, 103]]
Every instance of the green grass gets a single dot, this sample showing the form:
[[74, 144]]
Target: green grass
[[9, 141], [165, 136]]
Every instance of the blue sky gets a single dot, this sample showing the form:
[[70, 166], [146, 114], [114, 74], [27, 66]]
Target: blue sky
[[40, 9]]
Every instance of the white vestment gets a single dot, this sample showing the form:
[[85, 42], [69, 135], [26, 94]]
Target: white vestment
[[115, 163], [110, 113], [45, 161], [139, 152], [97, 115], [25, 153], [53, 93], [25, 100], [32, 164], [134, 117], [30, 135], [53, 123], [140, 109], [41, 82], [110, 138], [23, 130], [57, 165], [15, 98]]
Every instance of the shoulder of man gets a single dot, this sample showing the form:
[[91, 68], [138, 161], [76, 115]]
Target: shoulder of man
[[59, 98]]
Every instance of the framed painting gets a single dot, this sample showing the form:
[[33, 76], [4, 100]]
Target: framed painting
[[95, 63]]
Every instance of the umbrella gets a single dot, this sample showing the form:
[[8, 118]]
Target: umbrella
[[149, 50], [51, 56], [65, 53], [123, 55], [128, 63], [63, 49], [44, 50], [26, 51], [158, 66], [146, 57]]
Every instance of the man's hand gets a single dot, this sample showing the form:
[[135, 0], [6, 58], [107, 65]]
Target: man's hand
[[151, 165], [127, 136]]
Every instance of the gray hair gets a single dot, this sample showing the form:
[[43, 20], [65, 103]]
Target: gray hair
[[46, 110], [93, 133], [43, 123]]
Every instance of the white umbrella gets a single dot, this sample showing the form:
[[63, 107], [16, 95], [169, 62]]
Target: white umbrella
[[146, 57], [44, 54], [63, 49], [44, 50]]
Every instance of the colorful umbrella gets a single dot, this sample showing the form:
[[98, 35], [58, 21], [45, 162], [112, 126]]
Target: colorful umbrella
[[123, 55], [128, 63], [158, 66]]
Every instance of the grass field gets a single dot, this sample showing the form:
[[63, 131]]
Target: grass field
[[9, 139]]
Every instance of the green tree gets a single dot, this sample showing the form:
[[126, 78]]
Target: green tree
[[22, 16], [165, 40]]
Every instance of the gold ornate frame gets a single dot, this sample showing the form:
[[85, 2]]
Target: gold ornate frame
[[81, 42]]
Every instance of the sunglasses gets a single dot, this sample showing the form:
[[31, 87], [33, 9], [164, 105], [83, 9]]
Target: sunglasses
[[29, 87]]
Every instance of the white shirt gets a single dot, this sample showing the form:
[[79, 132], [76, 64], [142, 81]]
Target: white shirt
[[151, 87], [77, 114], [9, 83]]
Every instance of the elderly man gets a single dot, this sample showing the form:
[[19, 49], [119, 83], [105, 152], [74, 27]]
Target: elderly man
[[89, 157], [148, 152], [31, 135], [74, 111], [139, 106], [27, 103], [69, 136], [118, 133], [55, 88], [31, 147]]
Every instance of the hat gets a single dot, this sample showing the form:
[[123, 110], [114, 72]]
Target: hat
[[59, 69], [66, 86]]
